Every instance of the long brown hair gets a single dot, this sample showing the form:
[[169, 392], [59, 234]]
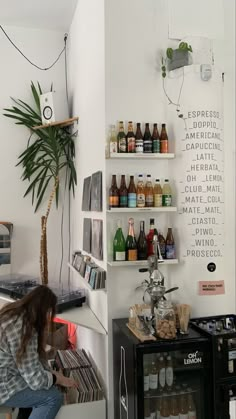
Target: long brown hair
[[38, 308]]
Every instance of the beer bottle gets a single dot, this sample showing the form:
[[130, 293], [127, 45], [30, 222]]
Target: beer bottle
[[153, 408], [157, 194], [113, 140], [132, 196], [191, 407], [140, 192], [113, 193], [153, 377], [169, 372], [158, 405], [165, 409], [142, 243], [149, 195], [147, 140], [130, 138], [155, 140], [170, 245], [119, 247], [131, 245], [162, 244], [123, 193], [162, 372], [150, 237], [121, 139], [183, 406], [174, 407], [147, 413], [139, 139], [166, 194], [164, 140]]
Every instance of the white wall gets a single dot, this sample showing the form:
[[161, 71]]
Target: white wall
[[87, 90], [42, 47]]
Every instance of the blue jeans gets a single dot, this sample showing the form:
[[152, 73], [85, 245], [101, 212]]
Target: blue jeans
[[45, 403]]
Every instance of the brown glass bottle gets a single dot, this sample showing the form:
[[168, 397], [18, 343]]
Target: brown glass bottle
[[170, 245], [164, 140], [113, 193], [121, 139], [130, 138], [155, 140], [139, 139], [132, 195], [147, 140], [123, 193], [131, 245]]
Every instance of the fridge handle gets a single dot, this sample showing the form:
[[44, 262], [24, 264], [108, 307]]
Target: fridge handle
[[123, 398]]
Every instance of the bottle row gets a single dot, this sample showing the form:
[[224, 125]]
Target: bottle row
[[132, 249], [140, 196], [177, 404], [137, 142]]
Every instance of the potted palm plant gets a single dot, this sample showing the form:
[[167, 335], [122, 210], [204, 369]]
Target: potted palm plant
[[47, 159]]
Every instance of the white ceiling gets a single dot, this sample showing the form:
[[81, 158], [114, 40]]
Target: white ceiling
[[40, 14]]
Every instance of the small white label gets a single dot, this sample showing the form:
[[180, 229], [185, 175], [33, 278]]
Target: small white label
[[153, 381], [158, 200], [169, 376], [153, 415], [140, 200], [158, 413], [174, 416], [162, 377], [113, 147], [183, 416], [164, 417], [192, 414], [231, 366], [120, 256], [146, 382]]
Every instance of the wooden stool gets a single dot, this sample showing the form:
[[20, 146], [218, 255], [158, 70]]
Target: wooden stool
[[7, 411]]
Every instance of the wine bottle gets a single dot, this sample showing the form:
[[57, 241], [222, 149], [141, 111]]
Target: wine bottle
[[113, 194], [131, 245], [119, 247], [123, 193], [142, 243]]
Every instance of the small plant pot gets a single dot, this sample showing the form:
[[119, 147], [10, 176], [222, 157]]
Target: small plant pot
[[179, 59]]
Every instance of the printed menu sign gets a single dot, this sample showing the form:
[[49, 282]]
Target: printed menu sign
[[201, 188], [211, 287]]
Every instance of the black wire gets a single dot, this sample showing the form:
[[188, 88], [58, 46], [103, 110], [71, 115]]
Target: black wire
[[23, 55]]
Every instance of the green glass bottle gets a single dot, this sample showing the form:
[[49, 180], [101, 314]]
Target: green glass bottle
[[119, 247]]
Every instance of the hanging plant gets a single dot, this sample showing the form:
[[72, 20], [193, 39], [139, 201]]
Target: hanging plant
[[47, 160]]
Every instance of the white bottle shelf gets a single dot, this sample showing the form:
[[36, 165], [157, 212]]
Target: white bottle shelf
[[153, 209], [83, 280], [137, 156], [140, 263]]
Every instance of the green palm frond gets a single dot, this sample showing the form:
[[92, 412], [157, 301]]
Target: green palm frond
[[50, 151]]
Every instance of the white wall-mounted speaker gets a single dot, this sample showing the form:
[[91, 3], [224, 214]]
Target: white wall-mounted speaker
[[53, 106]]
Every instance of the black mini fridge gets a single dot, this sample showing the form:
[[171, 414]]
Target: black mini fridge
[[163, 379]]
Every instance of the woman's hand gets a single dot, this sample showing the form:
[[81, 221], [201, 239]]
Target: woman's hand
[[65, 381]]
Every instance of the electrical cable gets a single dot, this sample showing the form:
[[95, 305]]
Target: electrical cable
[[23, 55]]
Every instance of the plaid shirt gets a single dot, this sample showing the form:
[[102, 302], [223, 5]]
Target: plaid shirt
[[30, 373]]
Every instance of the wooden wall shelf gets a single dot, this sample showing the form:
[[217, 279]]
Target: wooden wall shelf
[[61, 124]]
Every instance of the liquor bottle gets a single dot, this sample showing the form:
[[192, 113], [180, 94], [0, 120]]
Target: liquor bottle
[[183, 406], [119, 247], [139, 139], [162, 372], [132, 195], [162, 244], [130, 138], [131, 245], [155, 140], [192, 414], [121, 139], [157, 194], [142, 243], [146, 378], [174, 408], [170, 245], [149, 194], [113, 140], [147, 140], [165, 408], [153, 377], [169, 372], [150, 237], [164, 140], [123, 194], [166, 194], [113, 193], [140, 192]]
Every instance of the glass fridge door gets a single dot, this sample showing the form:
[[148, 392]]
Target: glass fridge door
[[173, 386]]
